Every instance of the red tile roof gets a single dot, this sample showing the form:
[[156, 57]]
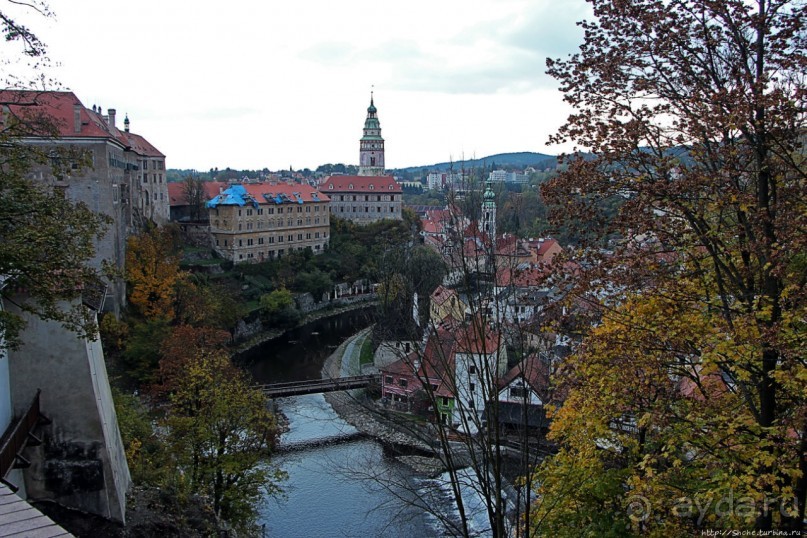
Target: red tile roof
[[176, 191], [266, 194], [523, 277], [58, 108], [442, 294], [141, 146], [535, 373], [361, 184]]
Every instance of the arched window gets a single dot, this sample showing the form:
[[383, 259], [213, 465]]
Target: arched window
[[330, 186], [350, 186]]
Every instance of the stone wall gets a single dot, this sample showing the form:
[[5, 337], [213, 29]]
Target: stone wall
[[81, 462]]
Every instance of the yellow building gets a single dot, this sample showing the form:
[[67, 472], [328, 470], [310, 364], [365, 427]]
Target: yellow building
[[446, 303], [261, 221]]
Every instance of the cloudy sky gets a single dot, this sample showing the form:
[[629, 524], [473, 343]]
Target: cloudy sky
[[287, 83]]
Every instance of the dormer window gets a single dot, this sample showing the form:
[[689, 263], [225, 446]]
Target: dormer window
[[350, 186], [330, 186], [372, 186], [390, 187]]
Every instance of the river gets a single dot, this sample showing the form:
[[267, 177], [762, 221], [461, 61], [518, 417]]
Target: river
[[332, 487], [340, 483]]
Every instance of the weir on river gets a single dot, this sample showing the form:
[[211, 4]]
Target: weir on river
[[340, 483]]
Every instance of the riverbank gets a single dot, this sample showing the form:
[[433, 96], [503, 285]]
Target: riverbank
[[365, 417], [270, 334]]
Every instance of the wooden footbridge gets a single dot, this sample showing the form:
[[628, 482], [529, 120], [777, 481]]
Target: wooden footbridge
[[297, 388]]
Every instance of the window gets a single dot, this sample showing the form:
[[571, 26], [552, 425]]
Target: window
[[366, 198], [470, 404], [299, 237], [518, 392], [350, 186], [290, 238], [260, 240], [472, 387], [372, 186], [308, 235], [388, 380], [403, 383], [472, 369], [330, 186], [316, 235]]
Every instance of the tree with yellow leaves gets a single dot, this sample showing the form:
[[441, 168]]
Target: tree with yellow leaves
[[152, 272], [689, 400]]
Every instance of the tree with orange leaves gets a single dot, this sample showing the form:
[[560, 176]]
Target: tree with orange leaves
[[152, 272]]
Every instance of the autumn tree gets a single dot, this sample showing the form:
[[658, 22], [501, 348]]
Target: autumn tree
[[181, 348], [693, 387], [152, 272], [221, 435]]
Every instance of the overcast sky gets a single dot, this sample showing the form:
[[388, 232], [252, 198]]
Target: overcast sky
[[287, 83]]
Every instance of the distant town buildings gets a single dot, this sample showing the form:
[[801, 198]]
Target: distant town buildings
[[502, 176], [261, 221], [371, 195]]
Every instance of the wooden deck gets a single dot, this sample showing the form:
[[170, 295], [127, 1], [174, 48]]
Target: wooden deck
[[21, 520]]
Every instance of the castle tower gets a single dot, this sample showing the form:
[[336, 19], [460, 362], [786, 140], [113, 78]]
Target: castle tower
[[371, 145], [489, 212]]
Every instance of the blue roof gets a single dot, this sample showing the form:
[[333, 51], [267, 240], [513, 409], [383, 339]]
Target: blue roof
[[233, 195]]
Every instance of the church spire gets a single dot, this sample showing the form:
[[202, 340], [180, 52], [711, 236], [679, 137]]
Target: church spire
[[489, 212], [371, 145]]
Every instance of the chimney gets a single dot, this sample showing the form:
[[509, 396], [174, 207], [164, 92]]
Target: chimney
[[77, 118], [111, 113]]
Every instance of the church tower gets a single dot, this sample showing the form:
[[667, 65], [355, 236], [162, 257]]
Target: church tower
[[371, 145], [489, 212]]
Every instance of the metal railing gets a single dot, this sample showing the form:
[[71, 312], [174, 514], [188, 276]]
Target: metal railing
[[17, 436]]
